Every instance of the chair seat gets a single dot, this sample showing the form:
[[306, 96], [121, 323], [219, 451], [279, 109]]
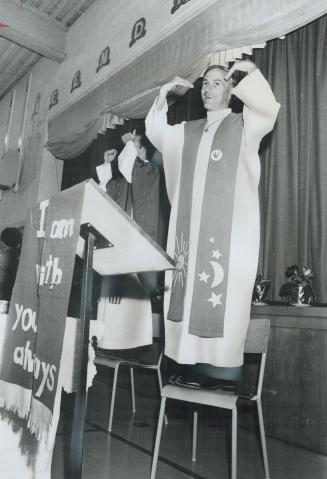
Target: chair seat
[[108, 361], [112, 361], [140, 364], [215, 397]]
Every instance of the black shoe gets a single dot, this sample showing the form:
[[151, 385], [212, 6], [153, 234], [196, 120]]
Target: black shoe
[[172, 379], [186, 383], [222, 384]]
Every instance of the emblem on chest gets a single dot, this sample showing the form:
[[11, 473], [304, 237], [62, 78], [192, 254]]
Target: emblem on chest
[[216, 155]]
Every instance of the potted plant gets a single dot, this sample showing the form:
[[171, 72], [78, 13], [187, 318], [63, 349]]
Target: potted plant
[[298, 290], [261, 287]]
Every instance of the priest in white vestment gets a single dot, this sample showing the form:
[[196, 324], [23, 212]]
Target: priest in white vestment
[[212, 171]]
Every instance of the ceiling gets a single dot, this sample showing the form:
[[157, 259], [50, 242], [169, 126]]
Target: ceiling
[[30, 29]]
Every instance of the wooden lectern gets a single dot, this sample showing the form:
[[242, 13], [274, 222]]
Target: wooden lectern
[[110, 243]]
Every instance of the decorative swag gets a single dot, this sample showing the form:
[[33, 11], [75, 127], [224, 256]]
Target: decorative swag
[[223, 27]]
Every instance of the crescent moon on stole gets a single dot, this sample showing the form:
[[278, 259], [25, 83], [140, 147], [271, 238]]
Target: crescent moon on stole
[[218, 273]]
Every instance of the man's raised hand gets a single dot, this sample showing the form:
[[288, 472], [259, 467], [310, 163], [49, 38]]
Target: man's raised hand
[[176, 85], [128, 137], [243, 66]]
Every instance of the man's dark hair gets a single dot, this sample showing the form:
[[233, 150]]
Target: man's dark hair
[[215, 67], [236, 77], [223, 69], [11, 237]]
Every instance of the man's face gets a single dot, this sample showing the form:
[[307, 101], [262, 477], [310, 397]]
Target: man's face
[[110, 155], [215, 90]]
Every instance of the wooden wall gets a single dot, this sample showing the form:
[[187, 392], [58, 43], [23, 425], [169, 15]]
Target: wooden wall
[[295, 385]]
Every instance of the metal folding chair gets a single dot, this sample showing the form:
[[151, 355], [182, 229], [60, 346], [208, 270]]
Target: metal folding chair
[[256, 343], [114, 362]]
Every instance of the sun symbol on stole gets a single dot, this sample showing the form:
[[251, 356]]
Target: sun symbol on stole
[[181, 254]]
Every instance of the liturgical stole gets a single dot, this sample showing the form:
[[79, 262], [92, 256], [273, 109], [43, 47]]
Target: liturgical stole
[[213, 250]]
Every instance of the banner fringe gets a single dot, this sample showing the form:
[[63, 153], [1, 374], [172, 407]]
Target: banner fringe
[[11, 407]]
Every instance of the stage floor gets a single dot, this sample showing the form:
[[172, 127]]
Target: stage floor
[[126, 452]]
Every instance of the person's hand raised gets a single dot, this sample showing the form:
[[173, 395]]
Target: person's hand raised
[[128, 137], [174, 84], [177, 85], [245, 66]]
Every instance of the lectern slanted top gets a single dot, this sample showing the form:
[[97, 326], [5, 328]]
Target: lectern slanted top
[[132, 250]]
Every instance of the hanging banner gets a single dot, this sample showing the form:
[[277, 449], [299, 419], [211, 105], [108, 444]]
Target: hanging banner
[[29, 366]]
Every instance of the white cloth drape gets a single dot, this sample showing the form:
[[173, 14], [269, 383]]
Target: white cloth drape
[[230, 28]]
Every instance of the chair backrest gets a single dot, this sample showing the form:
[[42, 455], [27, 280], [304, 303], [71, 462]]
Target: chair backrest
[[155, 350], [257, 336], [157, 325], [256, 342]]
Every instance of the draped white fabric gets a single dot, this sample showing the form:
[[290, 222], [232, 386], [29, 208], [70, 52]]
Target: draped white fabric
[[222, 27]]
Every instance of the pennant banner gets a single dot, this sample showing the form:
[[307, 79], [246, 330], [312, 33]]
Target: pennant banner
[[30, 361]]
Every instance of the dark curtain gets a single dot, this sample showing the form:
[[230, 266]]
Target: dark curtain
[[293, 190]]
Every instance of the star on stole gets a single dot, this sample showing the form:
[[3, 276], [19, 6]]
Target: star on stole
[[181, 254], [215, 299], [203, 276], [216, 254]]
